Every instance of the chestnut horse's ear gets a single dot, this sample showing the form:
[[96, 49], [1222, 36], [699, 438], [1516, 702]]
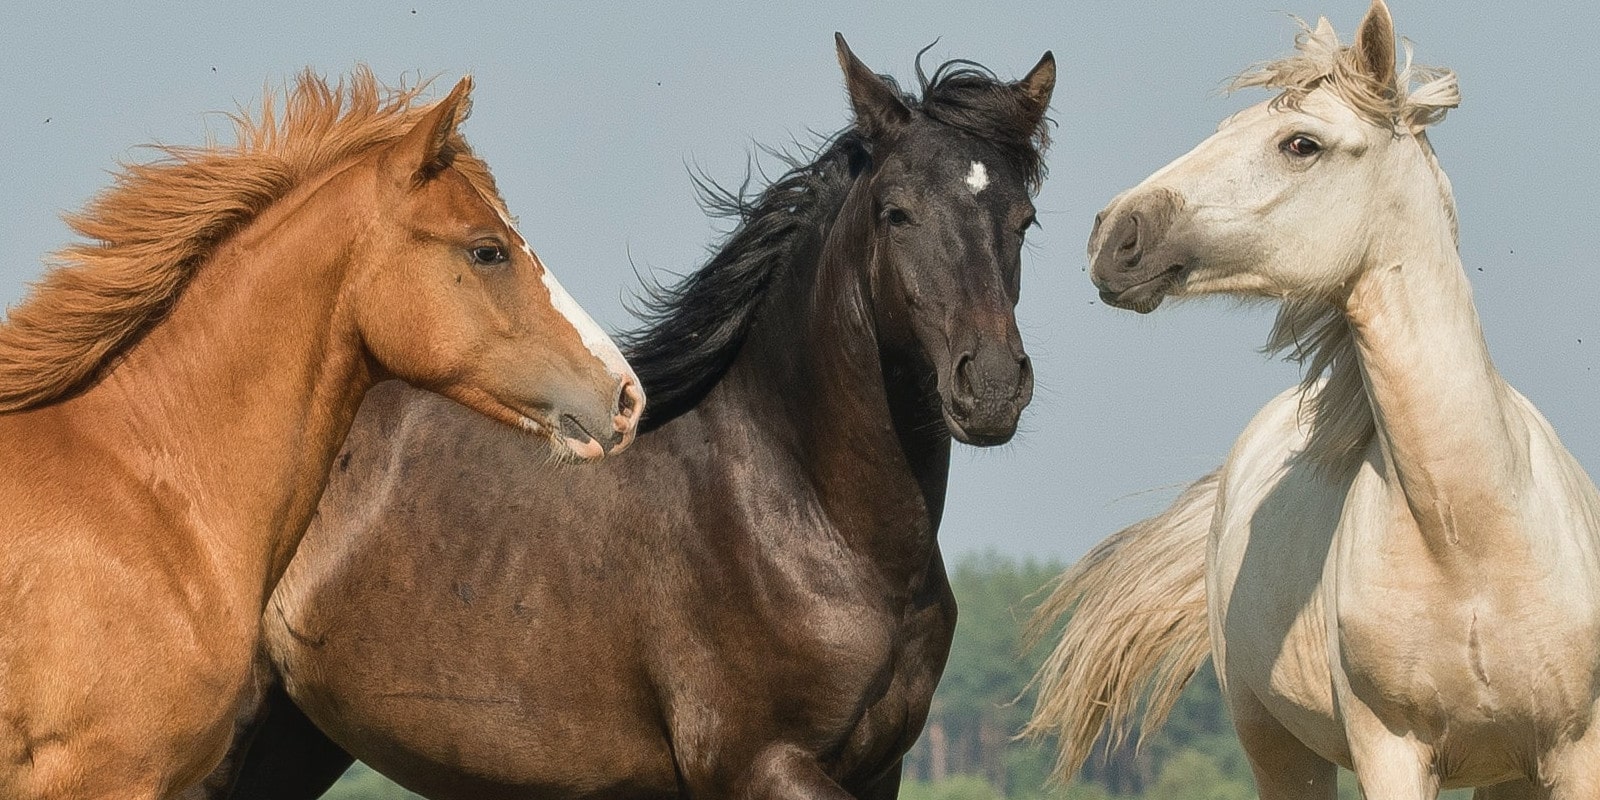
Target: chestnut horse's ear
[[426, 150], [878, 108], [1037, 86], [1374, 45]]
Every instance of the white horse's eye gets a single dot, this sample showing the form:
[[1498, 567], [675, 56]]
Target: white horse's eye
[[1301, 145]]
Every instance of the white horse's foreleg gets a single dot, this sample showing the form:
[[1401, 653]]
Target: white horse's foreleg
[[1389, 767], [1284, 768], [1574, 771]]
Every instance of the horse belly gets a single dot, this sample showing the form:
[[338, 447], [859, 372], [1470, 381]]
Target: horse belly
[[429, 704], [503, 756]]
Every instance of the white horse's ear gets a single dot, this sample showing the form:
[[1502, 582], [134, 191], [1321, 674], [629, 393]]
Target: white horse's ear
[[1374, 45], [877, 107]]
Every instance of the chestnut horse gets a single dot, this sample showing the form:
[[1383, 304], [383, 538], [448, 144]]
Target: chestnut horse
[[752, 603], [174, 393]]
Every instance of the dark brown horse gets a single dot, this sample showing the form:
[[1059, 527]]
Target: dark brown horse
[[753, 602]]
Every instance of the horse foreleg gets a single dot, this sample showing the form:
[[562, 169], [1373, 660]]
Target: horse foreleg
[[283, 756], [1284, 768], [885, 788], [1512, 790], [783, 772], [1388, 766]]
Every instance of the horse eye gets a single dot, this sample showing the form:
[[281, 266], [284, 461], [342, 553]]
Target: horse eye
[[897, 217], [1301, 145], [488, 255], [1023, 231]]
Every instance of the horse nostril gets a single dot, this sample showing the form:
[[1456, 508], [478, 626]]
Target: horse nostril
[[964, 395], [630, 408], [1024, 370], [629, 399], [1130, 235]]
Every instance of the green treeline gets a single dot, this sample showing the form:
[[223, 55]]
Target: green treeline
[[969, 751]]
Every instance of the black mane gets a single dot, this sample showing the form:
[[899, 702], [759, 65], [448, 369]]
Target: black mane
[[692, 331]]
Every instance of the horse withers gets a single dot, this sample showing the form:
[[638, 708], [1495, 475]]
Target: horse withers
[[173, 395], [752, 602]]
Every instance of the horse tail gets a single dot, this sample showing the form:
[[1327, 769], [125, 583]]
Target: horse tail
[[1136, 630]]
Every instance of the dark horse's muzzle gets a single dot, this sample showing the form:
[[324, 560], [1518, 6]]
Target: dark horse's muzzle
[[1133, 261], [990, 384]]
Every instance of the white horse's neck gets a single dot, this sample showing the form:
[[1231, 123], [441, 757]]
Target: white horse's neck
[[1451, 437]]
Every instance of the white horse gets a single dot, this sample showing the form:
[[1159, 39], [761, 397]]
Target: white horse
[[1403, 569]]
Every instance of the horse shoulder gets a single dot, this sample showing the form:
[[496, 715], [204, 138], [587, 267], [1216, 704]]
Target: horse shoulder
[[1272, 546]]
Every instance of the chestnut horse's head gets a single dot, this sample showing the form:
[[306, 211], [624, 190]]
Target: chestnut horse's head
[[449, 297]]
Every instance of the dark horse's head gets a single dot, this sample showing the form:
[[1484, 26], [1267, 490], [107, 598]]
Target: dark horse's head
[[923, 205], [948, 180]]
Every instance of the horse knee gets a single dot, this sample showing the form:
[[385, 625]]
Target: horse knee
[[784, 772]]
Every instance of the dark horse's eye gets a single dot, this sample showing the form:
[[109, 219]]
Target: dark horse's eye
[[488, 254], [1301, 145], [897, 217]]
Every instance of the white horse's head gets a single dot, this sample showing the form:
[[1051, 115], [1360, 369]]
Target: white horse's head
[[1293, 197]]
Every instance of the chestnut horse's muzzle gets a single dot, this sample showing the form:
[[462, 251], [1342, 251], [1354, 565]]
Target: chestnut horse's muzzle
[[594, 439]]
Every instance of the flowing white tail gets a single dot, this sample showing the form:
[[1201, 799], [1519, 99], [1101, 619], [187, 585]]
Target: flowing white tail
[[1136, 629]]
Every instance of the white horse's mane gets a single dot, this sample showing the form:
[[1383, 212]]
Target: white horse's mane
[[1312, 329], [1420, 97]]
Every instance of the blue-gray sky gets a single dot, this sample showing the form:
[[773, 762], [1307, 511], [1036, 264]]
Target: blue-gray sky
[[589, 114]]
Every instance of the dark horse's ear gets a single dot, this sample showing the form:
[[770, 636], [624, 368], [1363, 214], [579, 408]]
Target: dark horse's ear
[[425, 150], [1037, 86], [878, 108]]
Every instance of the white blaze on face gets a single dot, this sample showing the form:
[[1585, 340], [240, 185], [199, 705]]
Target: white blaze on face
[[593, 338], [978, 177], [599, 344]]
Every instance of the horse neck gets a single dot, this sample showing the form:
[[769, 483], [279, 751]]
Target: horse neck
[[236, 403], [1448, 426], [862, 427]]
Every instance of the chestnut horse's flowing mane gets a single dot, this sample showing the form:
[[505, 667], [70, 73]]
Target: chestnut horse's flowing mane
[[149, 233]]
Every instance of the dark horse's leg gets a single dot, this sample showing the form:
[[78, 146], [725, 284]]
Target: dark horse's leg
[[784, 773], [886, 787], [277, 755], [289, 758]]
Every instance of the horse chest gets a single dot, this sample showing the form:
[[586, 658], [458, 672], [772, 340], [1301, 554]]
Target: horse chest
[[1441, 661], [847, 676], [1451, 638], [1326, 600]]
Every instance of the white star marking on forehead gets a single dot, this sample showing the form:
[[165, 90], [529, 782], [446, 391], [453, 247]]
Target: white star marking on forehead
[[978, 178]]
